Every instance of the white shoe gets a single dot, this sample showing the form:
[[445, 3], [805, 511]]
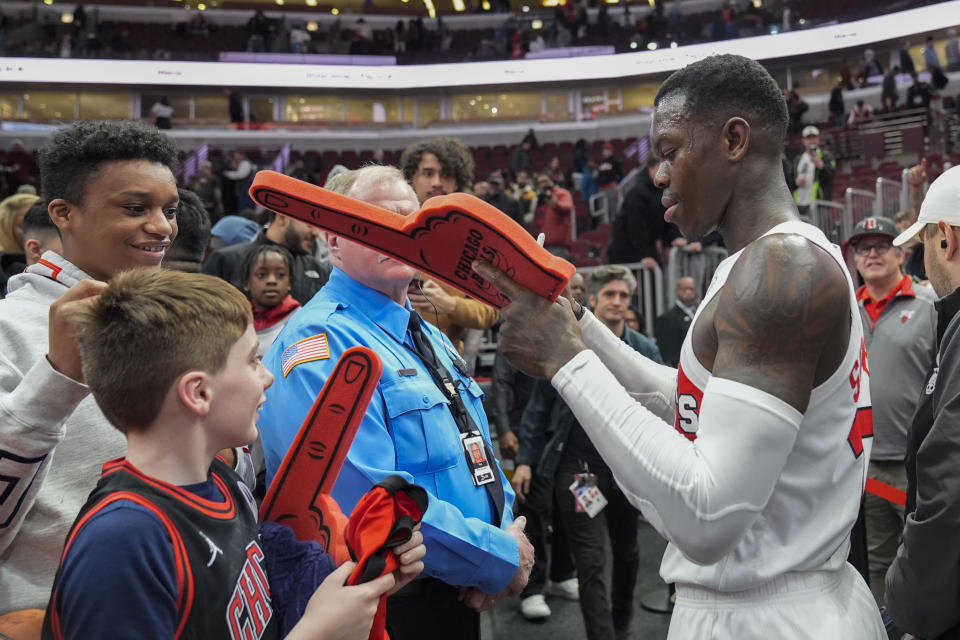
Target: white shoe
[[569, 589], [534, 607]]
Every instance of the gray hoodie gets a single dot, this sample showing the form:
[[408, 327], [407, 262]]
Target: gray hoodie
[[53, 439]]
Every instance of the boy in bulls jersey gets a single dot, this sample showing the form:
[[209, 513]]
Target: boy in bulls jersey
[[168, 542], [750, 458]]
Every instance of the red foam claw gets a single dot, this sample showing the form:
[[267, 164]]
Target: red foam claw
[[442, 239], [299, 496]]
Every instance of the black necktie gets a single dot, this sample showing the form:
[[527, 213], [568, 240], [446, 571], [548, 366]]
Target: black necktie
[[461, 416]]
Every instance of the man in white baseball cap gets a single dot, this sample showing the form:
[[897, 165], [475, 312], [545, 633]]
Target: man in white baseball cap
[[923, 583]]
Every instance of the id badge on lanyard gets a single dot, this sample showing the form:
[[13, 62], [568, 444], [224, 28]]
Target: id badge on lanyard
[[480, 468]]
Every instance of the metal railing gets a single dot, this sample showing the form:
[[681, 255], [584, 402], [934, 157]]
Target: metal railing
[[699, 266], [888, 198], [833, 220], [859, 205]]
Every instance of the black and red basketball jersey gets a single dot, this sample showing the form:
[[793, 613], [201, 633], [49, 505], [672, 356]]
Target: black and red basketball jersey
[[222, 584]]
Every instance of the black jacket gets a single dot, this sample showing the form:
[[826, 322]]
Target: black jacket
[[671, 329], [640, 223], [508, 205], [308, 274], [923, 583]]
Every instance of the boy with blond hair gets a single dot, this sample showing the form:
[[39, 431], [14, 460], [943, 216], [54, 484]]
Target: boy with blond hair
[[168, 544]]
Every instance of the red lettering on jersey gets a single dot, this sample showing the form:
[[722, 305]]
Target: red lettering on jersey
[[862, 428], [689, 399], [249, 610], [859, 369]]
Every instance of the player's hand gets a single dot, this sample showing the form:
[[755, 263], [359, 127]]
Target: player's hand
[[521, 481], [63, 351], [537, 336], [410, 554], [339, 612], [509, 445], [432, 295]]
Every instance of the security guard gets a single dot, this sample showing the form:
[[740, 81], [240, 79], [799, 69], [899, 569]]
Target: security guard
[[425, 422]]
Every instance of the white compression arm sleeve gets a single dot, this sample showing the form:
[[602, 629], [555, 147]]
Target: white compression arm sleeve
[[702, 495], [653, 384]]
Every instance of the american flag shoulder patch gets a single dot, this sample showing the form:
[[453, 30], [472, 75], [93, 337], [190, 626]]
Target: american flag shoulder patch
[[306, 350]]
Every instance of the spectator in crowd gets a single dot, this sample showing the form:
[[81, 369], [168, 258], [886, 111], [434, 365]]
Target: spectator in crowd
[[189, 248], [477, 551], [871, 66], [520, 159], [39, 235], [531, 139], [952, 50], [639, 230], [906, 59], [94, 174], [231, 230], [671, 327], [482, 188], [207, 187], [434, 168], [889, 93], [498, 197], [298, 169], [609, 174], [837, 108], [919, 95], [162, 112], [634, 319], [235, 106], [299, 38], [241, 174], [570, 459], [813, 172], [899, 324], [297, 237], [859, 113], [526, 194], [552, 216], [267, 275], [578, 288], [197, 396], [921, 596], [912, 249], [20, 168], [931, 58], [198, 27], [509, 393], [556, 171], [581, 155], [796, 107], [12, 211], [259, 32]]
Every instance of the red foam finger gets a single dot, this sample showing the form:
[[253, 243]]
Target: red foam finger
[[442, 239], [299, 496]]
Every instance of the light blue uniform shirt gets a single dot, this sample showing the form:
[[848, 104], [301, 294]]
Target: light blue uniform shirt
[[407, 430]]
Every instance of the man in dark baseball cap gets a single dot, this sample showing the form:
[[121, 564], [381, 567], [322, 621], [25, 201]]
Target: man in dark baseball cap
[[899, 327], [498, 197]]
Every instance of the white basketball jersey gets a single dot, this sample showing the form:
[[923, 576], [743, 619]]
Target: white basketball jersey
[[806, 523]]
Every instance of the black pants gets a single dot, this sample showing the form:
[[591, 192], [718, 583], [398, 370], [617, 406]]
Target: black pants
[[546, 532], [428, 609], [605, 618]]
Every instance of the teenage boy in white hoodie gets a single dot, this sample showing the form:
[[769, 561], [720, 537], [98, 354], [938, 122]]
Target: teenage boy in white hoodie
[[112, 195]]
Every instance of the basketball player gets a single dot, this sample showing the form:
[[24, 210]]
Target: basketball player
[[757, 486]]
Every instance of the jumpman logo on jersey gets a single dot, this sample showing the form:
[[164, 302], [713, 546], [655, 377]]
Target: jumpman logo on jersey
[[214, 549]]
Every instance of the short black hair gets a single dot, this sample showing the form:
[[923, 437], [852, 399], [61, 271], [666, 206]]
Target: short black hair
[[253, 256], [456, 161], [37, 221], [193, 229], [75, 153], [721, 87]]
